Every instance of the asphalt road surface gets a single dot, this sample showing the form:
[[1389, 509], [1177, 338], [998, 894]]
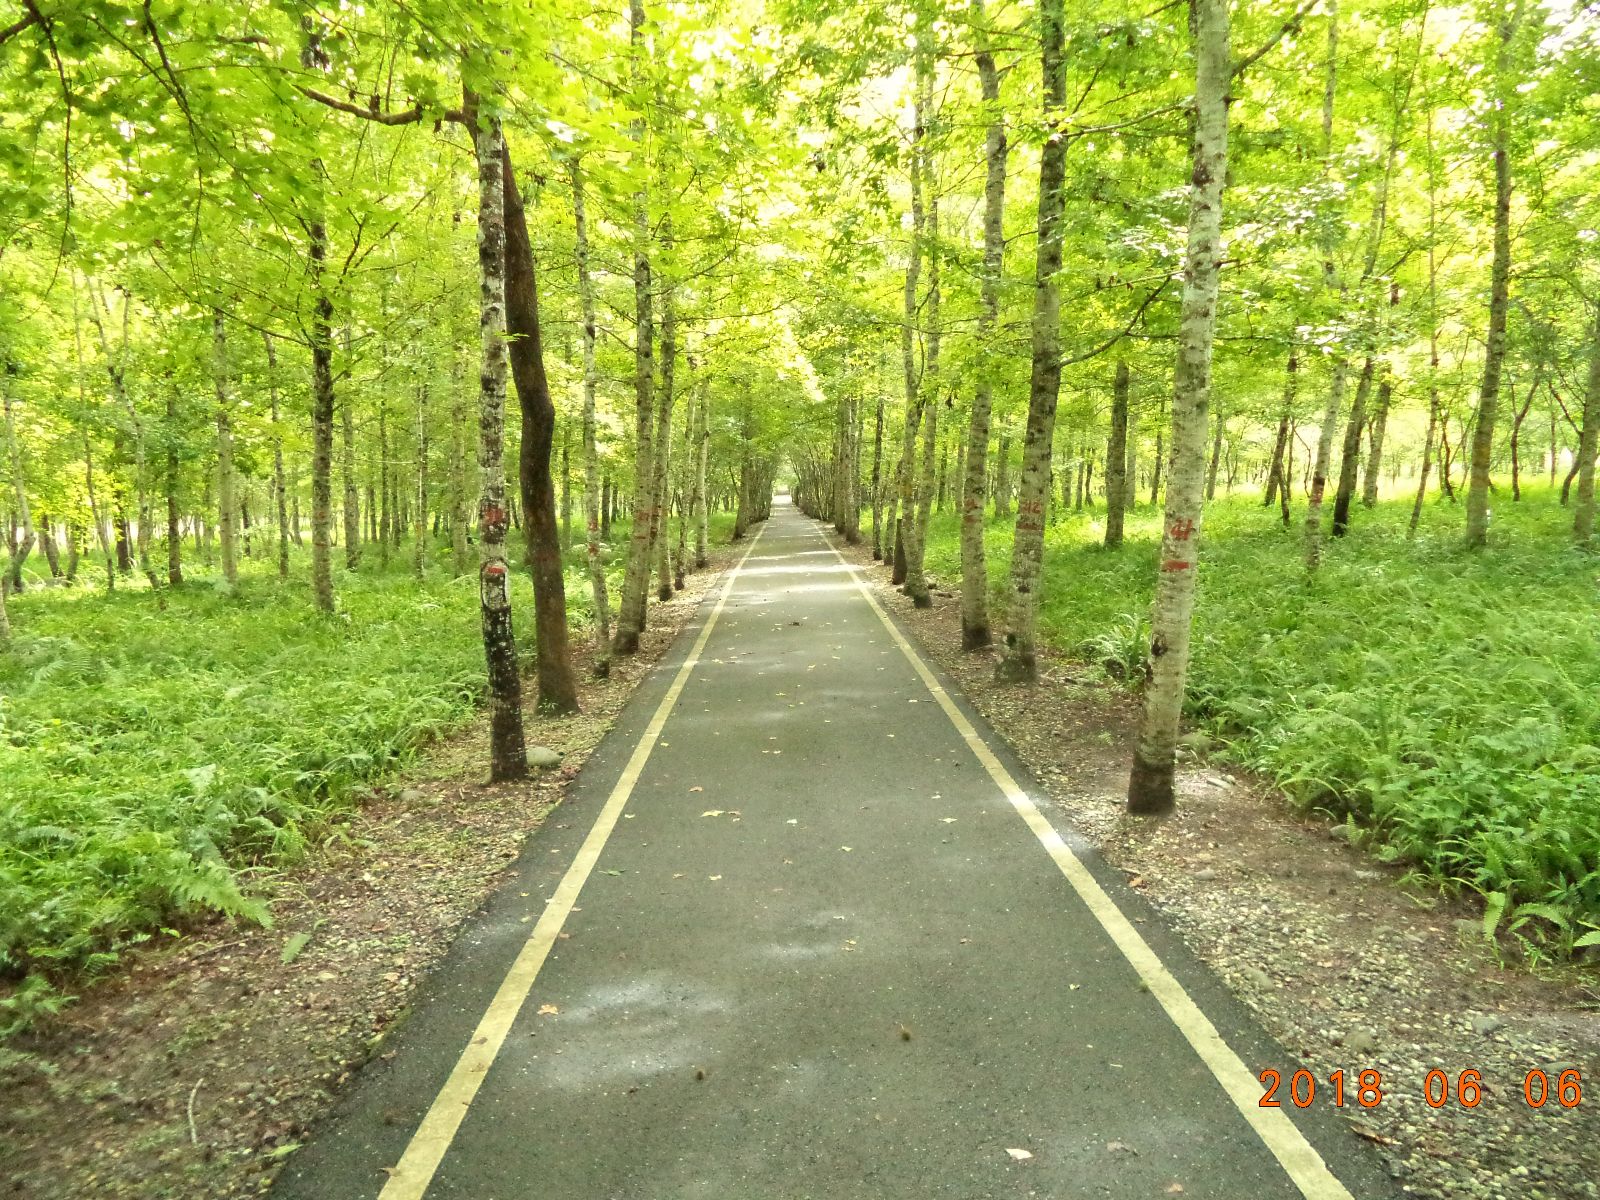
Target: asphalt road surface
[[800, 933]]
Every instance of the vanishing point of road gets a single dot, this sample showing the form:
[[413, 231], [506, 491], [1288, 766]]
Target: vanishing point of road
[[803, 931]]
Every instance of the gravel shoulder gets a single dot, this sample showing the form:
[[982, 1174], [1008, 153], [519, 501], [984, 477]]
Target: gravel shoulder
[[198, 1067], [1350, 965]]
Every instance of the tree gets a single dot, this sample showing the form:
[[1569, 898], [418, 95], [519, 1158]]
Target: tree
[[1020, 662], [1150, 786], [507, 754], [974, 493], [1499, 278]]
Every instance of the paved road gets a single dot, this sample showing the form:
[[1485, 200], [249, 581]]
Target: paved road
[[799, 934]]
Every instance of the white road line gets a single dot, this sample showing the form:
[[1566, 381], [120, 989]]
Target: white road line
[[409, 1179], [1287, 1144]]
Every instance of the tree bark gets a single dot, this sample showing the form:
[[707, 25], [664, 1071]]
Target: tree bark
[[170, 481], [877, 481], [119, 391], [227, 503], [660, 539], [917, 548], [1150, 786], [685, 488], [1380, 425], [1494, 352], [419, 524], [507, 753], [1588, 443], [916, 395], [1216, 456], [558, 688], [592, 496], [322, 405], [702, 506], [1117, 457], [352, 491], [277, 457], [19, 489], [1279, 474], [1331, 282], [1516, 430], [636, 577], [1020, 662], [974, 501], [459, 552], [1350, 454]]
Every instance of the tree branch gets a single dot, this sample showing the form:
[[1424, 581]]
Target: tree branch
[[409, 116], [1292, 25], [16, 27], [1121, 333]]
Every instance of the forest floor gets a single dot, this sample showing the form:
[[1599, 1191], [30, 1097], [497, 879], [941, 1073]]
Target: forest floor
[[196, 1069], [1349, 963]]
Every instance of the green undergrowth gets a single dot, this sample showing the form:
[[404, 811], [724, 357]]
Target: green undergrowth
[[1444, 703], [159, 756]]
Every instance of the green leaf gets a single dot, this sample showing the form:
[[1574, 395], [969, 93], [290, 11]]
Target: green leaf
[[295, 944], [1494, 910]]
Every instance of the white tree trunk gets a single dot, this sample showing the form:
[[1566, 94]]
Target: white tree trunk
[[591, 453], [636, 577], [1020, 663], [1150, 786]]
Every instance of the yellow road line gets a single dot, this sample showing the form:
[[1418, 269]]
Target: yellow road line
[[409, 1180], [1288, 1145]]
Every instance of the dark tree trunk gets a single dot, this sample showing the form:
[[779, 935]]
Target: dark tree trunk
[[1117, 458], [558, 687], [1350, 458]]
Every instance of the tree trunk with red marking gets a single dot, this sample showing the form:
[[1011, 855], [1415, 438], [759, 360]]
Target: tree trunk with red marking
[[1150, 786]]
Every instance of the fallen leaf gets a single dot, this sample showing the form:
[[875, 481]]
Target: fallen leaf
[[697, 789], [847, 849], [1018, 1155], [548, 1010], [1175, 1189], [1120, 1147], [791, 821], [713, 878], [713, 812], [948, 820]]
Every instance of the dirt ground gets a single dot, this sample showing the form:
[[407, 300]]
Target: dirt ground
[[1350, 964], [196, 1069]]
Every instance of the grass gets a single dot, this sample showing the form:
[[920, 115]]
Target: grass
[[159, 756], [1442, 701]]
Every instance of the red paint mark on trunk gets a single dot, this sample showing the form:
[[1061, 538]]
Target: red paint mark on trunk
[[1175, 564]]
